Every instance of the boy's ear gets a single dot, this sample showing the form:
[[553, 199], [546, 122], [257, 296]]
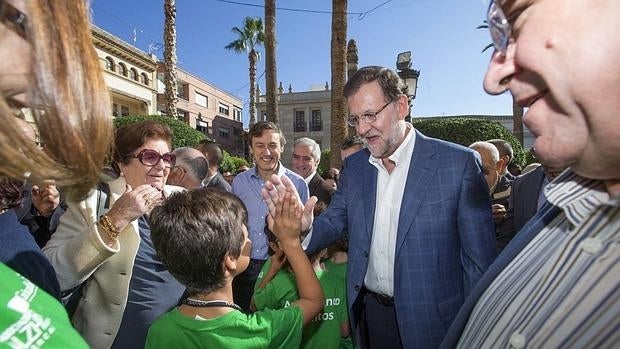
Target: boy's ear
[[230, 264]]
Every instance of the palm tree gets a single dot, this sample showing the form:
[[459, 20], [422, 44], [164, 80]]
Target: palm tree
[[517, 110], [339, 69], [249, 37], [270, 61], [170, 58], [352, 61]]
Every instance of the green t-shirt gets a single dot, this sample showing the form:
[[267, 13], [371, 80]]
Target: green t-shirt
[[31, 318], [323, 332], [263, 272], [263, 329], [339, 269]]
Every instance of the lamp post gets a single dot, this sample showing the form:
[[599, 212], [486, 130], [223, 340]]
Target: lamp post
[[409, 77]]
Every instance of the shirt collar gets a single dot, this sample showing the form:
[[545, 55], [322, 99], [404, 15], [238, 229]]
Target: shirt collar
[[578, 196], [281, 170], [402, 152], [309, 178]]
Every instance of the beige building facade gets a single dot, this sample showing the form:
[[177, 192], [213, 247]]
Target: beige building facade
[[301, 114], [207, 108], [129, 73]]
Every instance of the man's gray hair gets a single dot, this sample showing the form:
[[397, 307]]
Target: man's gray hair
[[309, 142], [193, 161], [487, 148]]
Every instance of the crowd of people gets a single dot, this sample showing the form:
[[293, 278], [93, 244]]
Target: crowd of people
[[414, 243]]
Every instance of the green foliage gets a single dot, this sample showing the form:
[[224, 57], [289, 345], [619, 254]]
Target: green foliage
[[324, 164], [467, 131], [530, 157], [232, 163], [182, 134]]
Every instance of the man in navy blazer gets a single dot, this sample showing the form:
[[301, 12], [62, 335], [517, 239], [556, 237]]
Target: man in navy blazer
[[418, 215]]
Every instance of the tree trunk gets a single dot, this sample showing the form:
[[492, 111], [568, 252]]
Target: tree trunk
[[170, 58], [339, 66], [517, 119], [352, 61], [252, 57], [270, 61]]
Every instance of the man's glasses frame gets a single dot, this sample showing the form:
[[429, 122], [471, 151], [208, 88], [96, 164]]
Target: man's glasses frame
[[354, 120], [13, 18], [150, 157], [499, 27]]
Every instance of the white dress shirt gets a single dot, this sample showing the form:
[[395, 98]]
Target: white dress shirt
[[390, 189]]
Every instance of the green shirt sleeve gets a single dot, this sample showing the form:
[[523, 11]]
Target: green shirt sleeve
[[31, 318]]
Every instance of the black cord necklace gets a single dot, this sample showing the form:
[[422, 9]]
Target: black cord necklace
[[209, 304]]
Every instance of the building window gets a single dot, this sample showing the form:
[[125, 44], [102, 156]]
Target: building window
[[182, 90], [115, 109], [124, 110], [144, 79], [317, 123], [224, 109], [201, 100], [300, 121], [237, 114], [133, 74], [202, 126], [122, 69], [109, 64], [223, 132], [181, 114]]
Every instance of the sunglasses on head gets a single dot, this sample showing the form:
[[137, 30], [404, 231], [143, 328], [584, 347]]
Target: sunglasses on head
[[150, 157]]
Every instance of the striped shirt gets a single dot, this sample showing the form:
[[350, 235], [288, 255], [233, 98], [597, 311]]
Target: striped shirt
[[563, 288]]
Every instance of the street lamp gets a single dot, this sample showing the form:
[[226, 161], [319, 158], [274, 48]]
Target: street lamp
[[409, 77]]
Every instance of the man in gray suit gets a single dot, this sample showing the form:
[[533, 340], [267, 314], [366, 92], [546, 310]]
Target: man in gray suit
[[214, 155]]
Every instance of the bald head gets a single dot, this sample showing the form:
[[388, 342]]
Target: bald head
[[490, 162]]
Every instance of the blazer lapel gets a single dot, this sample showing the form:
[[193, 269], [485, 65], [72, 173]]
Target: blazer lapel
[[369, 195], [421, 171]]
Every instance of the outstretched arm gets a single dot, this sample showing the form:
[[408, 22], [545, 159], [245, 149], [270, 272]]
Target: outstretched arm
[[288, 211]]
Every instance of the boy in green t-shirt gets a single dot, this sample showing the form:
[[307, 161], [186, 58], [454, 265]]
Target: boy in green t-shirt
[[31, 318], [277, 290], [201, 238]]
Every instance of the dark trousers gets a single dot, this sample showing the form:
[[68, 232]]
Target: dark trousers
[[243, 284], [378, 324]]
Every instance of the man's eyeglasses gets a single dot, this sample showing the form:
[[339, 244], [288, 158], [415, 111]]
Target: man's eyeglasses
[[499, 27], [13, 18], [354, 120], [150, 157]]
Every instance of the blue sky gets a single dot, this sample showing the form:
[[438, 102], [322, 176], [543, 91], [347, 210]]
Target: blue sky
[[441, 34]]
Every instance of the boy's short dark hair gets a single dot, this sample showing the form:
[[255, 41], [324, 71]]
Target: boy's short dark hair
[[192, 233]]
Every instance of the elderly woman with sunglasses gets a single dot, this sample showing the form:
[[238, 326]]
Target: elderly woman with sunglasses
[[125, 286]]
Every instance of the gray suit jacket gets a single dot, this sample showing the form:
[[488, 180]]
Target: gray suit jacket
[[218, 182]]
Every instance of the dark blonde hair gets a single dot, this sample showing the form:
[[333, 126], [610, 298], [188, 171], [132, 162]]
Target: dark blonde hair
[[71, 105]]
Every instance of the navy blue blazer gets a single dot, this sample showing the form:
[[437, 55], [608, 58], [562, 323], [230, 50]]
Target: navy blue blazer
[[522, 204], [445, 239], [546, 214]]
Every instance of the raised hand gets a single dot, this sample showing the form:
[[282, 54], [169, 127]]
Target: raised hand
[[45, 198], [276, 187], [134, 203]]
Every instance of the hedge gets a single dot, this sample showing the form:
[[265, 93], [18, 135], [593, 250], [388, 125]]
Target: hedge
[[467, 131]]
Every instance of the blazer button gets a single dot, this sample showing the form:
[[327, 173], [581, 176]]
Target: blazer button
[[357, 288], [366, 254]]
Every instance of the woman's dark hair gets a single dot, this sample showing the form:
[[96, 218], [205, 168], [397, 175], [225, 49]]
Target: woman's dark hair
[[133, 136]]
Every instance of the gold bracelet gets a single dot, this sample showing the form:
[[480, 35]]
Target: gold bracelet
[[108, 227]]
